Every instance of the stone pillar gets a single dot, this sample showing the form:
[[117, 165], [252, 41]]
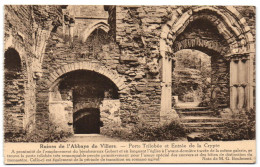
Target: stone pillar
[[167, 112], [250, 80], [65, 22], [71, 28], [166, 87], [239, 86], [233, 87], [169, 83], [241, 82]]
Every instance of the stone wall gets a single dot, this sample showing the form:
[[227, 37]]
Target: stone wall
[[141, 76], [14, 91], [18, 42], [23, 33], [127, 44], [139, 31]]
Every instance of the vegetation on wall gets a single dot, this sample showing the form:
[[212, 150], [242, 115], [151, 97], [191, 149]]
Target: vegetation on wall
[[191, 76], [172, 130], [240, 127], [54, 134]]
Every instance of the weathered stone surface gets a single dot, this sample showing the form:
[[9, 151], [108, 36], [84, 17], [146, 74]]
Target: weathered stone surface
[[130, 46]]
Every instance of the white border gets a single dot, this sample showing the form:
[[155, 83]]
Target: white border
[[129, 2]]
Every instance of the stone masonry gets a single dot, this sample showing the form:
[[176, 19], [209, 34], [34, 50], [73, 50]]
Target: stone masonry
[[115, 63]]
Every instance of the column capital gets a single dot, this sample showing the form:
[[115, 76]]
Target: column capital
[[239, 85], [238, 56]]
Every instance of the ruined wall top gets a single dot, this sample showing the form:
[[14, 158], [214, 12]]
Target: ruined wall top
[[87, 11]]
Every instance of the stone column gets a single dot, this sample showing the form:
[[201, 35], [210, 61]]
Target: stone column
[[241, 82], [250, 80], [71, 28], [169, 84], [167, 112], [166, 86], [233, 83], [64, 22]]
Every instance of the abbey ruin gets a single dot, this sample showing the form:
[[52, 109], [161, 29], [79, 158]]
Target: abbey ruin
[[87, 68]]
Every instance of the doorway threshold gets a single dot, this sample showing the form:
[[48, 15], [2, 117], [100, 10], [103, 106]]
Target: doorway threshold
[[95, 134]]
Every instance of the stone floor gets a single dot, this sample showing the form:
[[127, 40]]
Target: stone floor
[[92, 138], [187, 104], [102, 138]]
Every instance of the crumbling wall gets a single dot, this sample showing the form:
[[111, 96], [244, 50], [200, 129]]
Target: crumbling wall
[[17, 37], [138, 30], [23, 25], [13, 91], [133, 53]]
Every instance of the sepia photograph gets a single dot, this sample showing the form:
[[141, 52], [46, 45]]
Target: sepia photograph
[[116, 74]]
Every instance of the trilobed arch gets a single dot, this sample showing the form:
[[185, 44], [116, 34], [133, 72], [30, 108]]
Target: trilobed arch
[[229, 23]]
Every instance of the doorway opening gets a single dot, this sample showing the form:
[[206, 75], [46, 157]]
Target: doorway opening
[[77, 99], [191, 78], [87, 121]]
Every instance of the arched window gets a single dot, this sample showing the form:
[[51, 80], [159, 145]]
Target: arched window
[[12, 63]]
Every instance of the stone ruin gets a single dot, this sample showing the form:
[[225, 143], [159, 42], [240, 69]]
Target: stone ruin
[[87, 68]]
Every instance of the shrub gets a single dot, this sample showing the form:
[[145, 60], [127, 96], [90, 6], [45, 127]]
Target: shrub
[[146, 132], [242, 127], [52, 135]]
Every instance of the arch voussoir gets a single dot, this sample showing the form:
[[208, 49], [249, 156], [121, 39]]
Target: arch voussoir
[[119, 81], [59, 72]]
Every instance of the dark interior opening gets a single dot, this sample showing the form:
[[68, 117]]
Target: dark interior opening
[[12, 63], [13, 81], [87, 121], [86, 90]]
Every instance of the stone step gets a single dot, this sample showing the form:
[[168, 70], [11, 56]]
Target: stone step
[[191, 108], [205, 119], [203, 129], [196, 113], [202, 124]]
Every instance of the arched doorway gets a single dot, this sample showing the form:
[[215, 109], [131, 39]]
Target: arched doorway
[[13, 91], [226, 37], [203, 37], [78, 98], [191, 79]]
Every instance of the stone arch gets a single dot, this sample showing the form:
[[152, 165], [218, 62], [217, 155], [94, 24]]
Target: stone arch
[[232, 26], [108, 107], [97, 24], [118, 80], [198, 42], [229, 23], [27, 63], [11, 43], [15, 74]]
